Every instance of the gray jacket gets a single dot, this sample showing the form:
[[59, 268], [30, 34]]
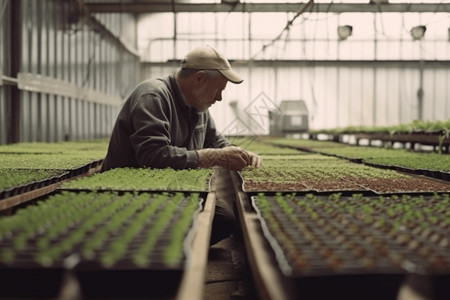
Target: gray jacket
[[157, 128]]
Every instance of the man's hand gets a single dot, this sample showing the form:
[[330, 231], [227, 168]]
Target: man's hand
[[231, 157], [255, 160]]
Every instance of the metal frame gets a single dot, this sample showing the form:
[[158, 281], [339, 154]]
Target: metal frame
[[56, 87], [158, 7], [321, 63]]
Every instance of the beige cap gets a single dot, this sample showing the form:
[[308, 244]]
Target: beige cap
[[207, 58]]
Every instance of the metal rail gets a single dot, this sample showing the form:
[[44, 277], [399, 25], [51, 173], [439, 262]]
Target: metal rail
[[54, 86], [48, 85], [159, 7]]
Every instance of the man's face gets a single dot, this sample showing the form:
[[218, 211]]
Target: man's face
[[208, 92]]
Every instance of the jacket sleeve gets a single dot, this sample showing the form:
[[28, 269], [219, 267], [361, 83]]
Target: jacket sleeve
[[213, 138], [151, 137]]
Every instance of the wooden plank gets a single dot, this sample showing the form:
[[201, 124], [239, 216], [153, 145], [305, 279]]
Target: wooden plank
[[270, 282], [193, 282]]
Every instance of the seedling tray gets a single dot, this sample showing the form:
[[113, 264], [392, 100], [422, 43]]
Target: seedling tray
[[33, 185], [26, 279], [144, 179], [381, 238], [112, 240], [129, 283], [437, 174], [407, 184], [84, 168], [326, 173]]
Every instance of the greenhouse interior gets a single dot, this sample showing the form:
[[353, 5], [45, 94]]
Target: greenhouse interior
[[225, 149]]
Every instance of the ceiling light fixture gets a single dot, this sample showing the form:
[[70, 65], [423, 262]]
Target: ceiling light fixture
[[344, 31]]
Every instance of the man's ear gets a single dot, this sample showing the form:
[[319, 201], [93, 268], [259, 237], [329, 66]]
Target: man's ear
[[200, 76]]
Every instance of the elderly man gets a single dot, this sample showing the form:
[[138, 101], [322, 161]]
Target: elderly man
[[165, 123]]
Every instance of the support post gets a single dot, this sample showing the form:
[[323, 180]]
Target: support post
[[15, 51], [420, 91]]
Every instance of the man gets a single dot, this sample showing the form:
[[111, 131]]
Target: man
[[165, 123]]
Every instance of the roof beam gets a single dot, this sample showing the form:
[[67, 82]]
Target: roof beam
[[395, 63], [155, 7]]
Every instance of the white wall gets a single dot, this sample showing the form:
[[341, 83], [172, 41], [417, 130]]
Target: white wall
[[337, 96], [343, 82]]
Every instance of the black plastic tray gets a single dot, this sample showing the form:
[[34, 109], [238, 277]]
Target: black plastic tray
[[29, 280], [317, 279], [127, 281], [325, 234], [65, 174], [17, 190], [25, 277]]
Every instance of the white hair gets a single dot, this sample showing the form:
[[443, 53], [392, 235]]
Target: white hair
[[210, 74]]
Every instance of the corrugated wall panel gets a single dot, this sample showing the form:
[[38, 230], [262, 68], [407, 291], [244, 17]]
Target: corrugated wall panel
[[57, 43]]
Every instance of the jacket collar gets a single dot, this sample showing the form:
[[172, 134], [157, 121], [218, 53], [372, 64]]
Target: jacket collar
[[180, 96]]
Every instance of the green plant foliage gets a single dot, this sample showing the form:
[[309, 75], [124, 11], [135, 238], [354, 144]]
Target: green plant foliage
[[47, 161], [394, 157], [140, 257], [24, 163], [120, 244], [120, 213], [10, 178], [389, 157], [106, 227], [302, 143], [317, 167], [175, 249], [262, 148], [85, 219], [348, 233], [429, 161], [145, 179], [99, 147]]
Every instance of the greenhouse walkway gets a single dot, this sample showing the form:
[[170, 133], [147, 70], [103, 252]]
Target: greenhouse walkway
[[227, 276]]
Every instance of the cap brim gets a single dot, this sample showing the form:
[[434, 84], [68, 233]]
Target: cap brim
[[231, 76]]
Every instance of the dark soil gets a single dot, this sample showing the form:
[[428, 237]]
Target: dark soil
[[274, 186], [331, 184], [413, 184], [379, 185]]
